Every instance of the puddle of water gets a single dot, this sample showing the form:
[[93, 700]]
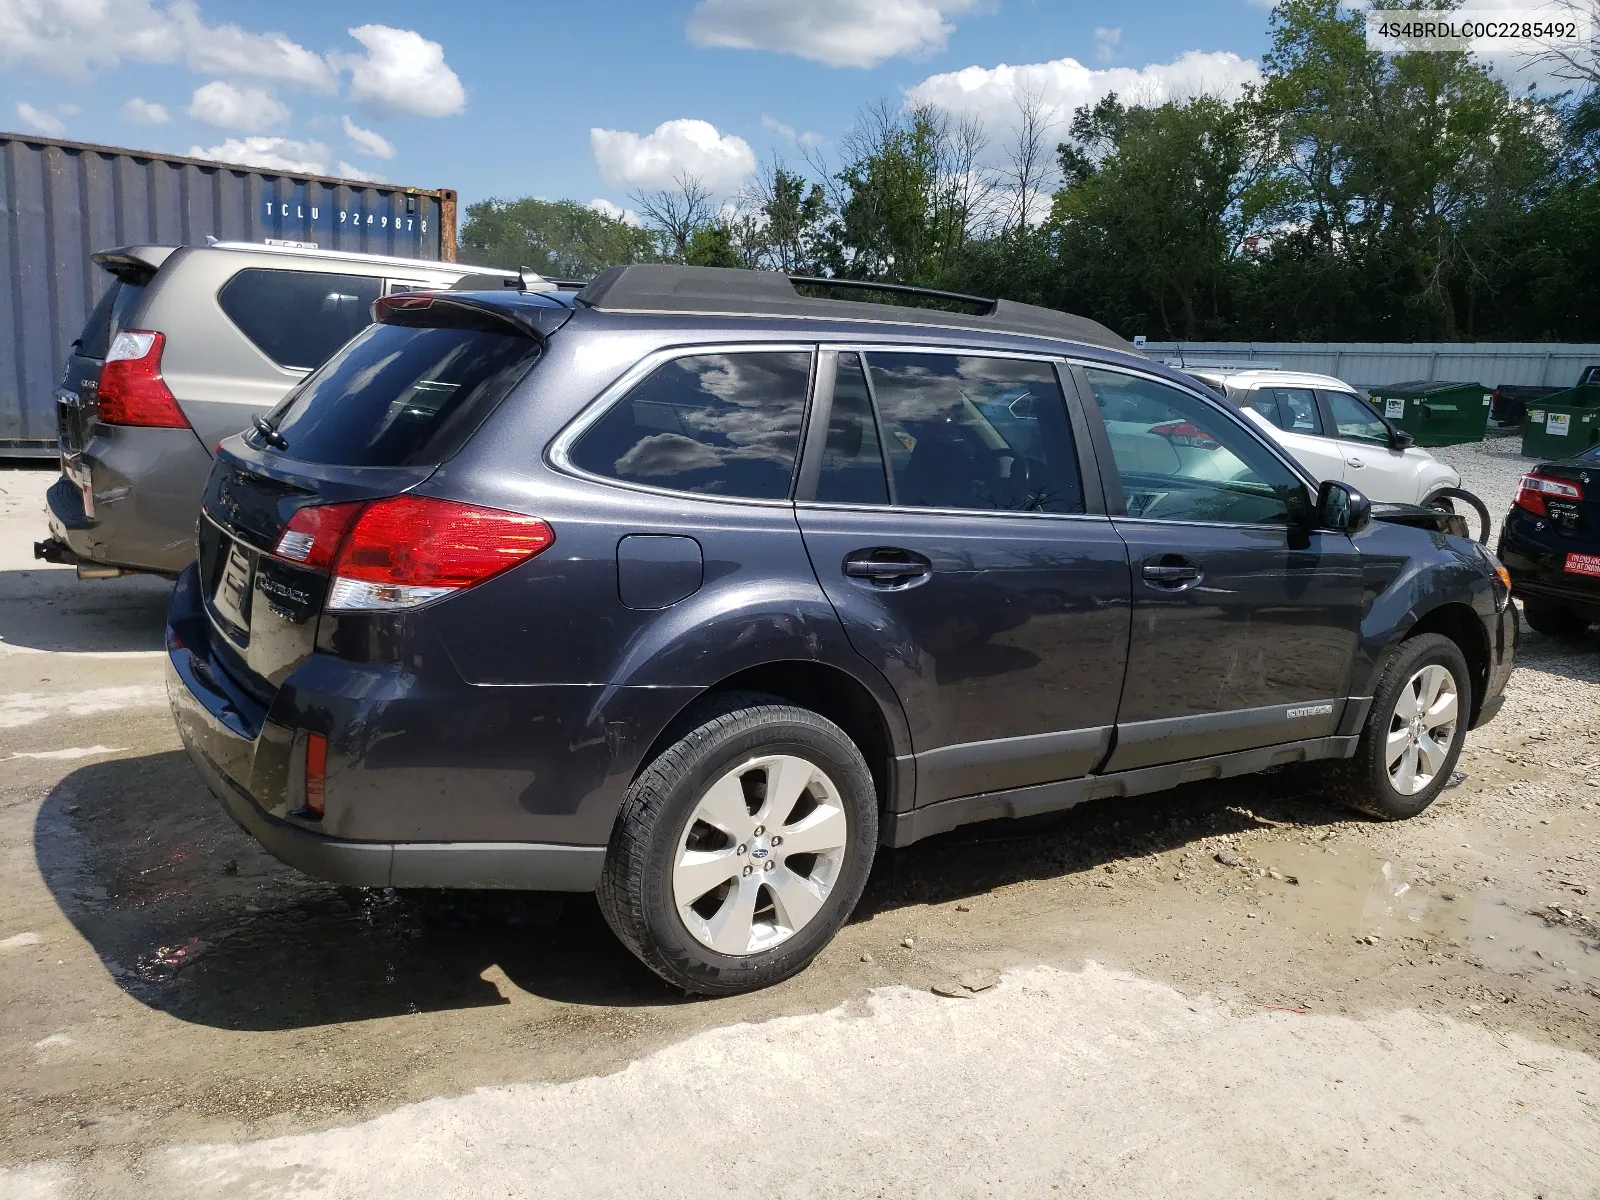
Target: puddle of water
[[1348, 892]]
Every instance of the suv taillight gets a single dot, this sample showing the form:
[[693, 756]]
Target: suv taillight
[[1533, 490], [407, 550], [132, 391]]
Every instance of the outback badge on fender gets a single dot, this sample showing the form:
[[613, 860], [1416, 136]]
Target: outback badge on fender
[[1309, 710]]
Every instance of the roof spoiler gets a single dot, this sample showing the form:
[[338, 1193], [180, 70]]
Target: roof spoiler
[[134, 264]]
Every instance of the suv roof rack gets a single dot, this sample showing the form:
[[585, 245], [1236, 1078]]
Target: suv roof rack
[[729, 291]]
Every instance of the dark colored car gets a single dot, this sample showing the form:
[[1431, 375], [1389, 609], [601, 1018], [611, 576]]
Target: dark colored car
[[1551, 544], [693, 590]]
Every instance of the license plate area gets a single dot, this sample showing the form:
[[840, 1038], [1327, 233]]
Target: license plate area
[[78, 475], [230, 597], [1583, 564]]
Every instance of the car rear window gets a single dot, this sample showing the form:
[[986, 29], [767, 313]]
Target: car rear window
[[402, 395], [111, 313], [299, 318], [724, 424]]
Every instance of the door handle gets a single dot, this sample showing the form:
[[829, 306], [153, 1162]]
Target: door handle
[[1355, 462], [885, 569], [1171, 571]]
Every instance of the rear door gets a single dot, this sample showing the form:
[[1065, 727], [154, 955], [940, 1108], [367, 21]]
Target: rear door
[[1244, 618], [944, 507]]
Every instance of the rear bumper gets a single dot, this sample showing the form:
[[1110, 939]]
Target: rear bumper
[[254, 764], [1537, 560], [147, 485]]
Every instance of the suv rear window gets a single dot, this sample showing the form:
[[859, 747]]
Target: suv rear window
[[401, 395], [299, 318], [724, 424], [110, 315]]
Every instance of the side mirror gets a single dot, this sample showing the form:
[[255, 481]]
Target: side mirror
[[1399, 439], [1341, 508]]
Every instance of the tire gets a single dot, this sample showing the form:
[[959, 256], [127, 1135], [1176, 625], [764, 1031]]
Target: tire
[[1553, 620], [753, 924], [1374, 780]]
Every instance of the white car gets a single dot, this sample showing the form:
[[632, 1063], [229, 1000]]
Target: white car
[[1335, 434]]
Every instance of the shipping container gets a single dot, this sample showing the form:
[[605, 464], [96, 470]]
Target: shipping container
[[62, 201]]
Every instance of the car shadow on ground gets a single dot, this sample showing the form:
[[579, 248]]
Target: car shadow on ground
[[50, 608], [193, 918]]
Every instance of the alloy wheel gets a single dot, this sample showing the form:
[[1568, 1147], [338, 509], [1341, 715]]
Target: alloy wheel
[[1421, 729], [759, 854]]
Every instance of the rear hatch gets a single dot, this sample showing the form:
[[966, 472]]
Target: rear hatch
[[319, 500], [130, 270]]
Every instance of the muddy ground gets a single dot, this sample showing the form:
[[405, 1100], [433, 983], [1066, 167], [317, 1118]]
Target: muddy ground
[[1355, 1007]]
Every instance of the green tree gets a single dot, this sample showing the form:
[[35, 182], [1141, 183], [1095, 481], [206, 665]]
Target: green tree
[[560, 239], [1149, 214]]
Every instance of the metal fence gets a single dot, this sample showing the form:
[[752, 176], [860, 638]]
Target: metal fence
[[1373, 364]]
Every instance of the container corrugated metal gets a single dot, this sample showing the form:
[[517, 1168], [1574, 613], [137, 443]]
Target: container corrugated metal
[[62, 201], [1370, 365]]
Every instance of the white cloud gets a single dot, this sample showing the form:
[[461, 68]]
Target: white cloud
[[789, 134], [345, 170], [840, 33], [38, 119], [68, 110], [144, 112], [72, 36], [1061, 86], [367, 141], [683, 147], [402, 74], [615, 211], [269, 153], [249, 110], [1106, 42]]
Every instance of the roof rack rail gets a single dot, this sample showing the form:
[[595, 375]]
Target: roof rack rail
[[984, 303], [729, 291]]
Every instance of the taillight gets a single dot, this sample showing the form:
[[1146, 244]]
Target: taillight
[[1533, 490], [314, 532], [1182, 433], [132, 391], [407, 550]]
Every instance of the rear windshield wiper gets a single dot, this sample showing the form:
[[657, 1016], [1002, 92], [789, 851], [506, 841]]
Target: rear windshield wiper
[[269, 432]]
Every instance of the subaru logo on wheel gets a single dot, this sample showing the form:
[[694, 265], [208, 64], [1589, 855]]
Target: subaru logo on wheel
[[758, 852]]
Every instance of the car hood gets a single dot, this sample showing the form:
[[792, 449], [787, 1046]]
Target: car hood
[[1418, 516]]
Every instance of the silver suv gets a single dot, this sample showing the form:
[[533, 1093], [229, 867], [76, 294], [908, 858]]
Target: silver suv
[[183, 348]]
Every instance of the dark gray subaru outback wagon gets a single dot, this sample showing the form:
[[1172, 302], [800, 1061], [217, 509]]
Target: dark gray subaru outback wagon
[[696, 587]]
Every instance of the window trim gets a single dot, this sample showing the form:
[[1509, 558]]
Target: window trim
[[1089, 478], [1116, 502], [558, 453]]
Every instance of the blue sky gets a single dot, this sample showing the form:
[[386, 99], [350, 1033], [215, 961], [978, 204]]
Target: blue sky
[[504, 97]]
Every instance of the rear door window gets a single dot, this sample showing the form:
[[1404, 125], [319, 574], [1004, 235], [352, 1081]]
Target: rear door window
[[402, 395], [110, 316], [299, 318], [973, 432], [722, 424]]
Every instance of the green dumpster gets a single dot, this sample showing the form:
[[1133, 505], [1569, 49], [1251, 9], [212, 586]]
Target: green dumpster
[[1436, 414], [1562, 424]]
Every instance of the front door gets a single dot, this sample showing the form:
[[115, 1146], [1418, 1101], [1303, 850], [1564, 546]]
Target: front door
[[1244, 618], [970, 571]]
